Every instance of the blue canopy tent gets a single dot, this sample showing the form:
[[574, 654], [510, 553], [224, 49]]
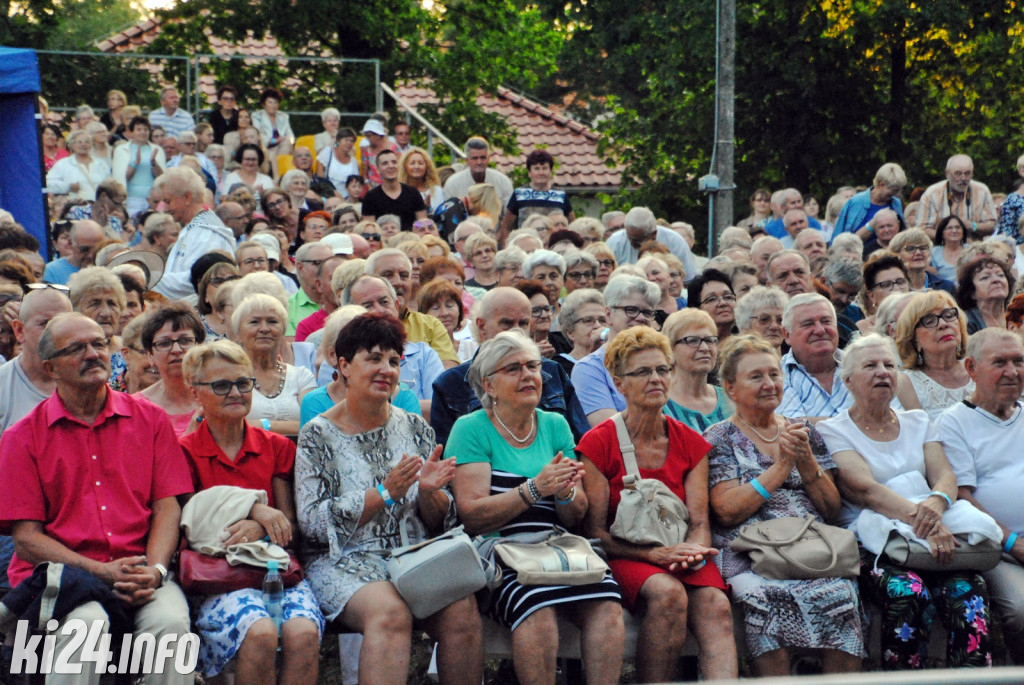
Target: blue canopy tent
[[21, 171]]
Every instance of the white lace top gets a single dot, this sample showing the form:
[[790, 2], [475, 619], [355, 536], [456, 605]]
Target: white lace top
[[935, 398]]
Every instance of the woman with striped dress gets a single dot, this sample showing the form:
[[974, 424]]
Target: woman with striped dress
[[516, 474]]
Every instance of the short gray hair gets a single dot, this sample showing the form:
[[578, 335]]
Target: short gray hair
[[156, 224], [303, 252], [754, 301], [510, 256], [329, 112], [574, 257], [91, 278], [488, 359], [886, 314], [801, 300], [258, 282], [844, 242], [290, 176], [975, 343], [642, 218], [857, 347], [335, 322], [734, 236], [346, 293], [844, 271], [476, 143], [574, 302], [371, 261], [259, 302], [389, 219], [621, 287], [585, 226], [543, 258]]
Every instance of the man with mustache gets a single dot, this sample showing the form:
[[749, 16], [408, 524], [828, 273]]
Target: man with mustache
[[92, 478], [958, 194]]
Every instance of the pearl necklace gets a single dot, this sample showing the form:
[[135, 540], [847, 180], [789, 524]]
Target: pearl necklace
[[891, 422], [778, 430], [280, 387], [533, 426]]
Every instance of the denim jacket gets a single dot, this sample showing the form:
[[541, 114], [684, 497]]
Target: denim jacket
[[453, 397]]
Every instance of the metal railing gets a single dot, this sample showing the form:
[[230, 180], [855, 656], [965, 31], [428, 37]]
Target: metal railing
[[432, 131]]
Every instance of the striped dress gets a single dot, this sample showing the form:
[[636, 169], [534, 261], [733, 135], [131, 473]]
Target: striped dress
[[474, 439]]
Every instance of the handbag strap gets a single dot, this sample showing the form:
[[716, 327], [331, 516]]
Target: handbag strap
[[403, 531], [626, 445], [828, 543], [767, 542]]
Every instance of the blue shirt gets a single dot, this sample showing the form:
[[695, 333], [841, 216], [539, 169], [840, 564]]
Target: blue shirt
[[526, 201], [453, 397], [60, 271], [776, 229], [625, 253], [803, 395], [858, 211], [175, 124], [594, 384]]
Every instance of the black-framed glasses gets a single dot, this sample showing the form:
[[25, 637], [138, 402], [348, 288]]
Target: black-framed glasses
[[633, 312], [579, 275], [664, 371], [695, 341], [949, 315], [218, 281], [255, 261], [541, 311], [715, 299], [889, 285], [923, 249], [606, 263], [223, 387], [276, 203], [75, 349], [516, 368], [185, 342], [371, 236], [314, 262], [591, 320]]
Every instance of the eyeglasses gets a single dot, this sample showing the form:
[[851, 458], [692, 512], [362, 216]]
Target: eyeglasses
[[715, 299], [889, 285], [75, 349], [223, 387], [314, 262], [606, 263], [255, 261], [542, 311], [663, 371], [633, 312], [915, 248], [579, 275], [768, 319], [371, 236], [591, 320], [484, 251], [276, 203], [695, 341], [43, 286], [184, 343], [218, 281], [949, 315], [425, 225], [516, 368]]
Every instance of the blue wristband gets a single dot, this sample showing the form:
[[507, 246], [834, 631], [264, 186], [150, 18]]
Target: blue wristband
[[760, 489], [385, 495], [939, 493], [1010, 539], [265, 423]]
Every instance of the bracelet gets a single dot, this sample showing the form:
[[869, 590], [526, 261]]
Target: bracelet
[[939, 493], [1010, 540], [385, 495], [265, 423], [534, 491], [522, 495], [569, 499], [760, 489]]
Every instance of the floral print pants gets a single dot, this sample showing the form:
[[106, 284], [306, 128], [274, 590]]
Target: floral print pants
[[909, 601]]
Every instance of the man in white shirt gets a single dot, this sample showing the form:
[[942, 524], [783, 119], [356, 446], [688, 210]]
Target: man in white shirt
[[169, 116], [958, 194], [641, 226], [478, 156], [982, 437]]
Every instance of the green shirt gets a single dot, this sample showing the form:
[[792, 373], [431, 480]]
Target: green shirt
[[475, 439], [299, 307]]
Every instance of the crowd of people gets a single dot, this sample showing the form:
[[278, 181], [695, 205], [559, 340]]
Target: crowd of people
[[227, 306]]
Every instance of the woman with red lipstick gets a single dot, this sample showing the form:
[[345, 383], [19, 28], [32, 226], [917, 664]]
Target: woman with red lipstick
[[170, 332], [931, 335]]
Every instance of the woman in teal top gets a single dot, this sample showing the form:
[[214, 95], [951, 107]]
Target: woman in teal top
[[517, 473], [691, 398]]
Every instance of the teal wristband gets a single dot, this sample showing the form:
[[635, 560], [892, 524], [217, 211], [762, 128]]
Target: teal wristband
[[385, 495], [1010, 539], [265, 423], [938, 493], [760, 489]]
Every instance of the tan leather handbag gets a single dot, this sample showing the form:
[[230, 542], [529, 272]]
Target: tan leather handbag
[[792, 548], [559, 559]]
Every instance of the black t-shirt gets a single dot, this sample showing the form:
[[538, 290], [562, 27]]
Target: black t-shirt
[[376, 203], [222, 126]]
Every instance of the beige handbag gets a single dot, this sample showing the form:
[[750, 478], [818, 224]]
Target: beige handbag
[[983, 556], [561, 558], [649, 512], [792, 548]]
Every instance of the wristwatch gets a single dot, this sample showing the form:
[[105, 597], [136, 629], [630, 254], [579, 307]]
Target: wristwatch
[[385, 495], [163, 572]]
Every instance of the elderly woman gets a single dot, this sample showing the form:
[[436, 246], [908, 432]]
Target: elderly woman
[[330, 119], [78, 176], [441, 299], [950, 238], [885, 189], [711, 292], [891, 463], [364, 467], [137, 164], [168, 334], [983, 291], [139, 370], [224, 450], [764, 466], [516, 474], [583, 319], [275, 130], [760, 312], [508, 265], [216, 276], [249, 158], [541, 311], [99, 137], [693, 337], [667, 587], [657, 271], [259, 323], [884, 273], [296, 184], [580, 270], [416, 169], [480, 251], [889, 313], [914, 247], [549, 268], [588, 228], [98, 293], [606, 263], [931, 335]]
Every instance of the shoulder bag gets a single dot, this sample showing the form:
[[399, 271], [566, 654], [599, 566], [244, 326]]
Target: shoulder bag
[[649, 512], [434, 573], [911, 554], [792, 548], [556, 557], [205, 574]]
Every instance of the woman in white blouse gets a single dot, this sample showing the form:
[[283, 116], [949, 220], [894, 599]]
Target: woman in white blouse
[[78, 175]]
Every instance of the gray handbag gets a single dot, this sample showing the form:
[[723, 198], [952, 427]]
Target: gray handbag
[[434, 573], [983, 556], [791, 548], [649, 512]]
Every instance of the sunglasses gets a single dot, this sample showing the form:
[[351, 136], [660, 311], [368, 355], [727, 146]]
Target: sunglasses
[[371, 236]]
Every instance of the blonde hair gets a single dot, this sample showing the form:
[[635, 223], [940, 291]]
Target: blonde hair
[[685, 319], [906, 326], [429, 241], [430, 177], [630, 341], [258, 283], [485, 200], [735, 348], [258, 302], [196, 359]]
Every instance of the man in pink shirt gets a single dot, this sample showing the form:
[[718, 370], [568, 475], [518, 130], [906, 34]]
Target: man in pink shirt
[[91, 481]]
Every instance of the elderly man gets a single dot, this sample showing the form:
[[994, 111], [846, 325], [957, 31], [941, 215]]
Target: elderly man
[[159, 233], [761, 251], [630, 301], [169, 116], [539, 197], [502, 309], [789, 271], [794, 221], [324, 295], [394, 267], [812, 244], [91, 480], [85, 235], [641, 226], [478, 155], [306, 300], [844, 278], [883, 227], [982, 438], [861, 208], [613, 222], [790, 199], [183, 192], [960, 195], [234, 217], [188, 144]]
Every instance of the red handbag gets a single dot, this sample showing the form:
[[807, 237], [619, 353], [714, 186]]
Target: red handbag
[[204, 574]]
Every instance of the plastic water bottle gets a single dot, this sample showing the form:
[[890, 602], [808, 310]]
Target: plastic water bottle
[[273, 594]]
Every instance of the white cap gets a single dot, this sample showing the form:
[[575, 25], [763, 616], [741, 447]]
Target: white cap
[[374, 126], [270, 244], [339, 243]]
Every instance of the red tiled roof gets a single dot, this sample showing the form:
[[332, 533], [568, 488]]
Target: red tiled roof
[[573, 144]]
